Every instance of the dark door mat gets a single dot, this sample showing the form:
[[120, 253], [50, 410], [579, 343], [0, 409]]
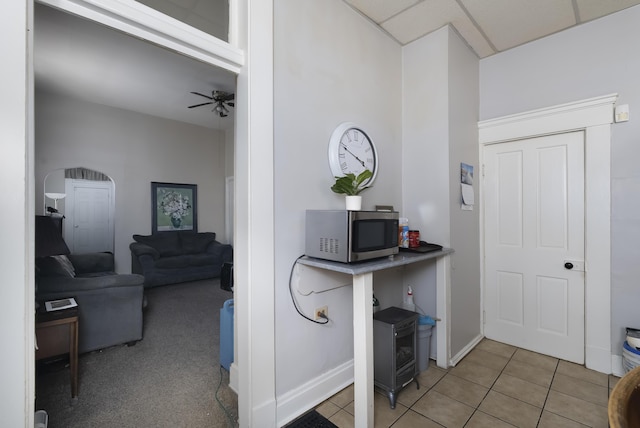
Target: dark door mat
[[311, 419]]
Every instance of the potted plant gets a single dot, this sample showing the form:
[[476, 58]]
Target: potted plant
[[351, 185]]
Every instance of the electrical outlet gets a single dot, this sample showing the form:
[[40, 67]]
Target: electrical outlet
[[323, 310]]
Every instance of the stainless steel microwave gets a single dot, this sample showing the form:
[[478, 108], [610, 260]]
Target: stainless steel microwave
[[351, 236]]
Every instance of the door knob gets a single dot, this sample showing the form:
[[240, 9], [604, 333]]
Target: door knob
[[568, 265]]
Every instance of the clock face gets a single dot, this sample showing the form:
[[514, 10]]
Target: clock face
[[352, 151]]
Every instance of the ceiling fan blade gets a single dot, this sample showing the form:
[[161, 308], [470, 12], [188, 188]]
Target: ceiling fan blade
[[202, 95], [231, 104], [198, 105]]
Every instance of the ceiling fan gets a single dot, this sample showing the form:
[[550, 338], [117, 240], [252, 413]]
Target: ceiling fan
[[220, 99]]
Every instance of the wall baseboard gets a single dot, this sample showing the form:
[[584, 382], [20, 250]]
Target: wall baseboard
[[599, 359], [464, 351], [233, 377], [616, 365], [299, 400]]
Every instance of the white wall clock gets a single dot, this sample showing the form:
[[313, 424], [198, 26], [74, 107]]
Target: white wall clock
[[351, 150]]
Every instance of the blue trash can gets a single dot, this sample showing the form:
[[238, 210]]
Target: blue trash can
[[425, 326], [226, 334]]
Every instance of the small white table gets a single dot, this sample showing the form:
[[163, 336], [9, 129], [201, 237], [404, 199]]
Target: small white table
[[362, 274]]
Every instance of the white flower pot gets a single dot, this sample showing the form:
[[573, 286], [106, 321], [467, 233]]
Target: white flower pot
[[354, 203]]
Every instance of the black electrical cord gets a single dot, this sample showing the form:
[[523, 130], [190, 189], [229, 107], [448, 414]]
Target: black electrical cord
[[325, 320], [230, 419]]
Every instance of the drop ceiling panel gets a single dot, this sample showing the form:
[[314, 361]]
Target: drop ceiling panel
[[509, 23], [381, 10], [592, 9], [429, 16]]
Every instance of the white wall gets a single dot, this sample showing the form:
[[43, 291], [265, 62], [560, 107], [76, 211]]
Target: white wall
[[440, 113], [337, 68], [134, 150], [583, 62]]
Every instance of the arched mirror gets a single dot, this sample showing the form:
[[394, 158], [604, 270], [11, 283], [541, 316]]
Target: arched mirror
[[83, 200]]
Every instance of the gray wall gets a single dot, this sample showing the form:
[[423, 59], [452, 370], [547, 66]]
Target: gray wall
[[337, 68], [465, 225], [134, 150], [440, 114], [594, 59]]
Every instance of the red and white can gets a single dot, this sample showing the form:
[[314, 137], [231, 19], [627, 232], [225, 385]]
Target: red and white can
[[414, 238]]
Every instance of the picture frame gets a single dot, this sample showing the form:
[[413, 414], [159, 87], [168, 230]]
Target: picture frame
[[174, 207]]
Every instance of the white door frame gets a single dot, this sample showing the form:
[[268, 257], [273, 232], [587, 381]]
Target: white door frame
[[249, 54], [594, 116]]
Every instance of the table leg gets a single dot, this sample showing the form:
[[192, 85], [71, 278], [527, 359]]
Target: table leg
[[363, 349], [73, 357]]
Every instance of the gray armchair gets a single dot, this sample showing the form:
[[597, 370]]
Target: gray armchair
[[110, 305]]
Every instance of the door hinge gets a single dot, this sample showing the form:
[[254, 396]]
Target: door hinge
[[483, 170]]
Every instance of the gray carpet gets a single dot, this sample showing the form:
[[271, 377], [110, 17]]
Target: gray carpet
[[169, 379]]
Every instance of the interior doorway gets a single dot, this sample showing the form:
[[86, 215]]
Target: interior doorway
[[89, 222], [594, 117], [534, 244]]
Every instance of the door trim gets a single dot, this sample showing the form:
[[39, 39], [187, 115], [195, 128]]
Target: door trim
[[593, 116], [148, 24]]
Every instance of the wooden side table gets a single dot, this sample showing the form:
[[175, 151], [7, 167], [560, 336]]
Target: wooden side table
[[57, 334]]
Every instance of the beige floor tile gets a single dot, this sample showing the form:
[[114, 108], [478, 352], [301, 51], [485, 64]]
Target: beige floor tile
[[534, 359], [443, 410], [487, 359], [510, 410], [482, 420], [581, 389], [613, 381], [461, 390], [412, 419], [350, 408], [342, 419], [496, 348], [581, 372], [343, 397], [577, 410], [521, 389], [426, 379], [551, 420], [384, 415], [327, 409], [529, 373], [476, 373]]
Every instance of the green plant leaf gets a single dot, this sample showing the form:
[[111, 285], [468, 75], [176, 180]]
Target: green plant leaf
[[351, 185]]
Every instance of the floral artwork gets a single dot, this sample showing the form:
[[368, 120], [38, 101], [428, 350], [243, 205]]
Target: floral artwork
[[174, 207]]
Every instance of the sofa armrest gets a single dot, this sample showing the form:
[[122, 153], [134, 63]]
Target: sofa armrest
[[223, 252], [138, 249], [73, 286], [92, 262]]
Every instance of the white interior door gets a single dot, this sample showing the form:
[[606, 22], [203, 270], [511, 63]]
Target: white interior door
[[534, 244], [89, 223]]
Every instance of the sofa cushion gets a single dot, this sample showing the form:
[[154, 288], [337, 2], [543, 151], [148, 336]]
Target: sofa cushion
[[175, 262], [55, 266], [166, 243], [196, 243]]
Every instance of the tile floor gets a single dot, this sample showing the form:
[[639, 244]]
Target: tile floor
[[495, 385]]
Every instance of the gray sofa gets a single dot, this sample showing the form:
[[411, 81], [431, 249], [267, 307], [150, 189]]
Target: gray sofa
[[174, 257], [110, 305]]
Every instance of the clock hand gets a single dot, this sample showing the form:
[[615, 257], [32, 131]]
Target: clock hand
[[357, 158]]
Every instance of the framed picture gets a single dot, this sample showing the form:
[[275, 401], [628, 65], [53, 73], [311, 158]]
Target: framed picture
[[174, 207]]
